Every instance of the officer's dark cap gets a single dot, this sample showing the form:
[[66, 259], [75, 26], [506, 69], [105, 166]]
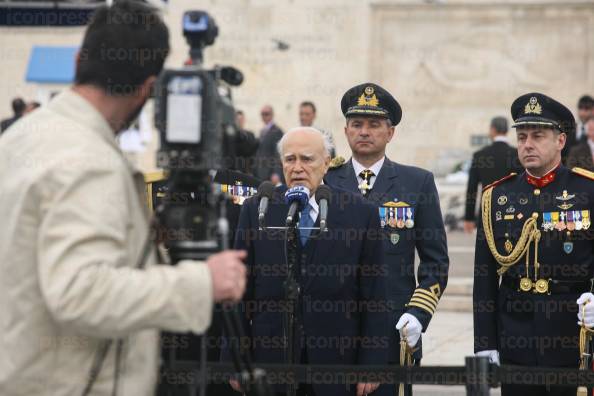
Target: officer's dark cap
[[536, 109], [370, 100]]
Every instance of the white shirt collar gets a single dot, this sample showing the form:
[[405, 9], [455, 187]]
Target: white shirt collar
[[501, 138], [375, 168]]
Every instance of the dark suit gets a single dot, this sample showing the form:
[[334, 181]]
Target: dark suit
[[408, 187], [334, 271], [581, 155], [267, 160], [489, 164], [4, 124]]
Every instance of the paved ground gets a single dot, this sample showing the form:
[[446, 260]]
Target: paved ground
[[450, 334]]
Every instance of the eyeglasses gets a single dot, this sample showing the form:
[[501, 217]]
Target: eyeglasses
[[265, 113]]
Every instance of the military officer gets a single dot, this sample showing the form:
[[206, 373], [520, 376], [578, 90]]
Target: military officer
[[409, 212], [534, 253]]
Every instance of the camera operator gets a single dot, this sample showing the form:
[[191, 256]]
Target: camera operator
[[74, 272]]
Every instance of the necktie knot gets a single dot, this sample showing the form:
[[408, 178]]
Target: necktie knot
[[366, 174], [365, 186]]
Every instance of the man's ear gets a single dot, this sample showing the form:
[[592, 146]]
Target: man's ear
[[146, 89], [562, 139], [392, 133]]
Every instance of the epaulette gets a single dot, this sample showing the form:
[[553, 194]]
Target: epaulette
[[497, 182], [583, 172], [337, 162]]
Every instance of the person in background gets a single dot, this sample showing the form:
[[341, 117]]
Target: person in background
[[489, 164], [32, 106], [581, 154], [18, 108], [246, 145], [307, 116], [267, 161], [585, 110]]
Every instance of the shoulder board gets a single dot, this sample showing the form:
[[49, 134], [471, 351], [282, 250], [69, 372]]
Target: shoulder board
[[583, 172], [336, 162], [497, 182]]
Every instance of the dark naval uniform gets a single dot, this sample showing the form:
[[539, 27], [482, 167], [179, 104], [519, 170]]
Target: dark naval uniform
[[410, 219], [534, 257]]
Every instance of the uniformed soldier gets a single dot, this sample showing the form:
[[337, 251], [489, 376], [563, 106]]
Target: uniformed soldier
[[534, 253], [409, 211]]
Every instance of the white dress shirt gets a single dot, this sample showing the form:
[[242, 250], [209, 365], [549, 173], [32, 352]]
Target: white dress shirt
[[375, 168]]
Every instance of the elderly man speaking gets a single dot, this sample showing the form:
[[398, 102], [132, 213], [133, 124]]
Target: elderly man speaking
[[339, 273]]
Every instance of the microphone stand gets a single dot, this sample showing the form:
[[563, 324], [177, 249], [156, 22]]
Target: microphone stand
[[292, 296]]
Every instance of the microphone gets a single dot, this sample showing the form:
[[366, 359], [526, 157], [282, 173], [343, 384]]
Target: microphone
[[265, 190], [323, 194], [297, 197]]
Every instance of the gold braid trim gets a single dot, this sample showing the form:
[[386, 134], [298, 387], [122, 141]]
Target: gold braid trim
[[585, 337], [530, 233]]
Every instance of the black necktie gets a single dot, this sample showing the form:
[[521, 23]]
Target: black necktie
[[366, 175]]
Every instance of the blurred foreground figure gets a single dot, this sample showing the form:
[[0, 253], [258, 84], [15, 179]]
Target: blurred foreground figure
[[77, 263]]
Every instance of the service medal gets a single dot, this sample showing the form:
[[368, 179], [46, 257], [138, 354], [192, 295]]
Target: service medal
[[392, 222], [400, 223]]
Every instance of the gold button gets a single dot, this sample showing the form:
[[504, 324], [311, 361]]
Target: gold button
[[535, 215], [537, 192]]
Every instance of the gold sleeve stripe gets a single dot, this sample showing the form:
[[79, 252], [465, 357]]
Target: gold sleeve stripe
[[425, 301], [422, 306], [423, 292]]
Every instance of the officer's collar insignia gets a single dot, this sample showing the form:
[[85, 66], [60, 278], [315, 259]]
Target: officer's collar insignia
[[400, 204], [368, 98], [533, 107], [546, 179]]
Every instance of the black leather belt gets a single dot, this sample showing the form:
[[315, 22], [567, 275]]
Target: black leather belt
[[554, 286]]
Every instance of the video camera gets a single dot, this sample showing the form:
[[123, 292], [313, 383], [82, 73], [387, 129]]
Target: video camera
[[195, 117]]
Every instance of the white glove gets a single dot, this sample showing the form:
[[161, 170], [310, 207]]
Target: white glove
[[586, 299], [492, 354], [409, 327]]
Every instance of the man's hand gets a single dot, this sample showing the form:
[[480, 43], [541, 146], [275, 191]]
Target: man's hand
[[492, 354], [366, 388], [235, 385], [411, 328], [469, 226], [228, 275], [586, 305]]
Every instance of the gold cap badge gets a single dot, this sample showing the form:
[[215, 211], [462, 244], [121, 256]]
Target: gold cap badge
[[533, 107], [368, 98]]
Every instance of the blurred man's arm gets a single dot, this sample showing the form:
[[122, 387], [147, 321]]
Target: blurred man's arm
[[87, 276]]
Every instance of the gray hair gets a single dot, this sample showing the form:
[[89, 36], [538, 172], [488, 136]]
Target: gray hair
[[328, 146]]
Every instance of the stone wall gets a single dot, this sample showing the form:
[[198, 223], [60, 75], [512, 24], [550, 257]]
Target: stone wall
[[452, 65]]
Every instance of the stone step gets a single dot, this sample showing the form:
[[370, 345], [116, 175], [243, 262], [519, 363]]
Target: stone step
[[459, 286], [455, 303]]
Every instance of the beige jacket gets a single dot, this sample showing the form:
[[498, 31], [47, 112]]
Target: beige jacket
[[73, 227]]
